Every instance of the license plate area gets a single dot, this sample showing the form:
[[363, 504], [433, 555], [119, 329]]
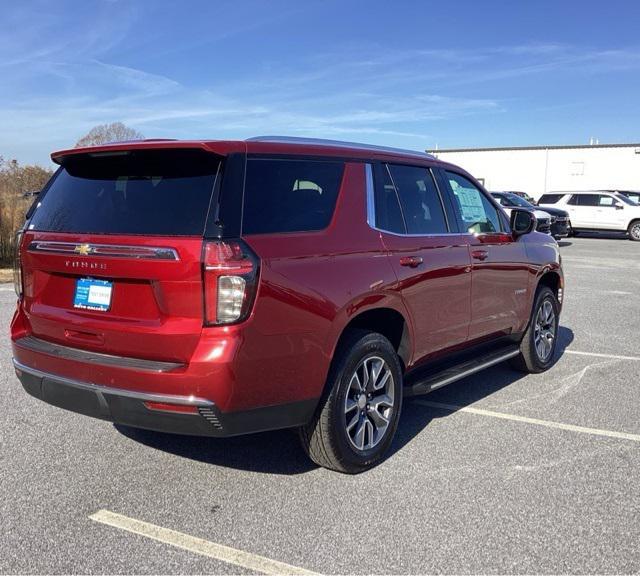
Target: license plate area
[[93, 294]]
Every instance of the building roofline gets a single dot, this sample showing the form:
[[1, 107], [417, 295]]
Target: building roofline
[[562, 147]]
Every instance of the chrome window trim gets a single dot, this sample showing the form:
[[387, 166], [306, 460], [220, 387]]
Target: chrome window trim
[[371, 208], [104, 250], [371, 211], [70, 353], [100, 389], [424, 235]]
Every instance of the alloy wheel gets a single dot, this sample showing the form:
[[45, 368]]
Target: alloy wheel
[[545, 331], [369, 403]]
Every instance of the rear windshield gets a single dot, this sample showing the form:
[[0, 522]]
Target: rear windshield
[[160, 192]]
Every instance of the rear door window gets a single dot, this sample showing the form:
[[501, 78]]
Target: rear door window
[[387, 206], [586, 200], [289, 195], [156, 192], [420, 200]]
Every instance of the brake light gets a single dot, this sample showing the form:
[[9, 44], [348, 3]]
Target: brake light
[[230, 271], [17, 265]]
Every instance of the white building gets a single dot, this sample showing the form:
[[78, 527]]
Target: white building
[[540, 169]]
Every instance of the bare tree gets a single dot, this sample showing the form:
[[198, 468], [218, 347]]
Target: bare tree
[[103, 133]]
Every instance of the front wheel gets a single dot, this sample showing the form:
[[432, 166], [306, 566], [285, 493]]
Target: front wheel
[[357, 418], [634, 230], [538, 345]]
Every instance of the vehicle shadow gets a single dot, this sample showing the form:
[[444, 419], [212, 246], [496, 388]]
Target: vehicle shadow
[[601, 235], [279, 452], [564, 243]]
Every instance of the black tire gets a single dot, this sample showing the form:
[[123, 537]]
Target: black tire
[[530, 359], [634, 231], [574, 233], [326, 439]]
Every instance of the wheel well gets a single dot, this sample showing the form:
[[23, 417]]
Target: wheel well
[[388, 322], [552, 280]]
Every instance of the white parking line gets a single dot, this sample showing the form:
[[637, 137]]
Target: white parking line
[[197, 545], [598, 355], [536, 421]]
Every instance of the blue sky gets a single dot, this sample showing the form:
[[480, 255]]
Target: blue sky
[[409, 74]]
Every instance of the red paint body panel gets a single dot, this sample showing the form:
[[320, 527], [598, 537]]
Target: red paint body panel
[[311, 285], [500, 281], [437, 292]]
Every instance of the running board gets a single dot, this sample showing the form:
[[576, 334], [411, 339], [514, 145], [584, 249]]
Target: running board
[[452, 373]]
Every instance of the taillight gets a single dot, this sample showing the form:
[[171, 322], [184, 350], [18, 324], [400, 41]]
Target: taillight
[[17, 265], [230, 272]]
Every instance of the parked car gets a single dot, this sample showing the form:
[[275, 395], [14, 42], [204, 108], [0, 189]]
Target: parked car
[[226, 287], [597, 210], [524, 195], [548, 223]]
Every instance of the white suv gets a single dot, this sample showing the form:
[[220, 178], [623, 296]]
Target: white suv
[[597, 210]]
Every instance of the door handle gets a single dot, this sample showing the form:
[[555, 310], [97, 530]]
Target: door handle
[[480, 254], [411, 261]]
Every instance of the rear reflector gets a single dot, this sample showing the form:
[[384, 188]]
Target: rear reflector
[[230, 271], [166, 407]]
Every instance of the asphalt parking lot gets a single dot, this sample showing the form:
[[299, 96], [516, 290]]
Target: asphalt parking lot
[[499, 473]]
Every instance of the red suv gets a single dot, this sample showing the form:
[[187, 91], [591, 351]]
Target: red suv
[[225, 287]]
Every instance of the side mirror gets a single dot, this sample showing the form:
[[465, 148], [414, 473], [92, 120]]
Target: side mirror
[[522, 222], [619, 207]]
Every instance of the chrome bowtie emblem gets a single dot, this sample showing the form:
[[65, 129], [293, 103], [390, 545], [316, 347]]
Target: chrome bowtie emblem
[[83, 249]]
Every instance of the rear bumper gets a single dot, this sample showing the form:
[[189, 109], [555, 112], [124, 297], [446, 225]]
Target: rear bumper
[[128, 407]]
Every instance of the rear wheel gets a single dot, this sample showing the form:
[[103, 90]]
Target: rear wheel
[[358, 416], [634, 230], [538, 345]]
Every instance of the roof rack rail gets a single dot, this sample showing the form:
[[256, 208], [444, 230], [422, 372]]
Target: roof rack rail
[[337, 143]]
